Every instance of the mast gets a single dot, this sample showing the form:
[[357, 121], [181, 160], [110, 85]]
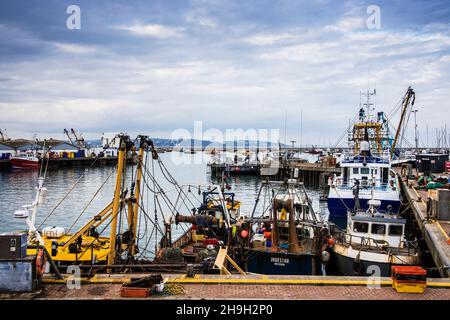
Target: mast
[[124, 143], [293, 246], [368, 104], [410, 96], [274, 232], [133, 215]]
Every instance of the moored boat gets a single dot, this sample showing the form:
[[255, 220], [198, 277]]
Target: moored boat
[[25, 161], [291, 238], [373, 241], [369, 162]]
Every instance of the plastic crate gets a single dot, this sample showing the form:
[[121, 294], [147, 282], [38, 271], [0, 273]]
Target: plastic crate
[[409, 279], [132, 292]]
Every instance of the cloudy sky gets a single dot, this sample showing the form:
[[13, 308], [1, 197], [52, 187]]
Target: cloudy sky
[[156, 66]]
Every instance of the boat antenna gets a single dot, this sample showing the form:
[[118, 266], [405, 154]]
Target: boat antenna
[[368, 104]]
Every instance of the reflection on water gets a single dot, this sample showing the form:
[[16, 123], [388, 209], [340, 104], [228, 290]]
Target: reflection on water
[[17, 188]]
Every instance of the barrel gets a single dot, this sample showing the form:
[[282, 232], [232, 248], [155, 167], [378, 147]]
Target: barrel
[[81, 153]]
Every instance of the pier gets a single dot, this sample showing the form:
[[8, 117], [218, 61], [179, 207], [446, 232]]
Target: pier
[[234, 169], [241, 287], [435, 232], [311, 174]]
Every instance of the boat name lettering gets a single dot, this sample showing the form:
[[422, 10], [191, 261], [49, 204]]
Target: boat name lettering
[[279, 261]]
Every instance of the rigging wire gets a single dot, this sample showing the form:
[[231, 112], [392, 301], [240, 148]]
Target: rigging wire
[[74, 185], [90, 201]]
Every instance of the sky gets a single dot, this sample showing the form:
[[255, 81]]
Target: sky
[[155, 67]]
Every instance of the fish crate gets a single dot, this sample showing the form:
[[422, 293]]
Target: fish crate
[[409, 279]]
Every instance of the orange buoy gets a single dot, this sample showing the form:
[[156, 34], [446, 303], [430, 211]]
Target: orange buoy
[[40, 262]]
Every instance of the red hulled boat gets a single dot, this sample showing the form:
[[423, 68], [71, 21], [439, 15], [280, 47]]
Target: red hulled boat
[[25, 161]]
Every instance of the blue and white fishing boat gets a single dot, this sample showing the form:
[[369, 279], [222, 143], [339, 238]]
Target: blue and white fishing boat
[[368, 163]]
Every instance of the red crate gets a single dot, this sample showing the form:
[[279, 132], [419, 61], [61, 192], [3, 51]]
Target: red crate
[[447, 166], [410, 270], [409, 273], [133, 292]]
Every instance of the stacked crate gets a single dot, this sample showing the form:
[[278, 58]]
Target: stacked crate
[[409, 279]]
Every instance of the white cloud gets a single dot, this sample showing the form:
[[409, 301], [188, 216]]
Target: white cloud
[[201, 18], [270, 39], [347, 24], [153, 30], [75, 48]]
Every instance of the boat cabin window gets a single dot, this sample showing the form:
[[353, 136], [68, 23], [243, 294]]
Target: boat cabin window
[[385, 174], [361, 227], [345, 174], [365, 170], [374, 172], [395, 230], [378, 228], [355, 170]]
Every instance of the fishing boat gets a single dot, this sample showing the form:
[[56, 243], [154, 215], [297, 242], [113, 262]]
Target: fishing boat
[[89, 245], [373, 241], [368, 161], [25, 161], [290, 237], [119, 237], [210, 224]]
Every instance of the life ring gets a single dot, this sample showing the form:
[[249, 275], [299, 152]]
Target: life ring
[[40, 262]]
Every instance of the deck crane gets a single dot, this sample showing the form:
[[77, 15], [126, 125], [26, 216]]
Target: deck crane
[[408, 99], [77, 140], [3, 135], [68, 136]]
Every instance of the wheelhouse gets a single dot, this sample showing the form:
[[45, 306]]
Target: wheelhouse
[[380, 228], [369, 173]]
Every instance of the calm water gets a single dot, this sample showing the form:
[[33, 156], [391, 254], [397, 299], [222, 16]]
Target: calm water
[[17, 188]]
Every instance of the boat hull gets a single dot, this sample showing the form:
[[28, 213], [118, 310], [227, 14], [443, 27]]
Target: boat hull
[[279, 263], [24, 163], [345, 263]]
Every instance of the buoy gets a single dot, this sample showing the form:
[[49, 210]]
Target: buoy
[[325, 256], [331, 242], [244, 234], [40, 262]]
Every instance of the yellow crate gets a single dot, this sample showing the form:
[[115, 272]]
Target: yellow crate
[[409, 287]]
